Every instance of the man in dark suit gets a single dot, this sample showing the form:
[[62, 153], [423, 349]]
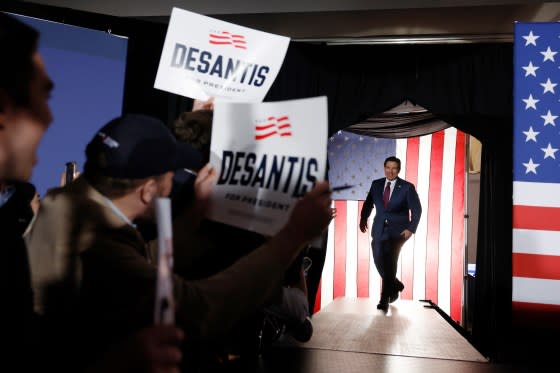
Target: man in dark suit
[[398, 212]]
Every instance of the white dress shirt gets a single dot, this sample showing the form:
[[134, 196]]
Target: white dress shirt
[[392, 186]]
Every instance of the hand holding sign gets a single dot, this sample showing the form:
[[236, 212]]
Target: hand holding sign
[[311, 214], [152, 349], [203, 105], [205, 179]]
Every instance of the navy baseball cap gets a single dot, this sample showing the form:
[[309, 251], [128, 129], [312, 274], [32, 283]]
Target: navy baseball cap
[[136, 146]]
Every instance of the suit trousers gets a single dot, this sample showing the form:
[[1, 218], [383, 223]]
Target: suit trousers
[[386, 257]]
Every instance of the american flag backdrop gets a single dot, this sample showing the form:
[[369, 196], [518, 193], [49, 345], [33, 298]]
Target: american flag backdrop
[[536, 174], [431, 262]]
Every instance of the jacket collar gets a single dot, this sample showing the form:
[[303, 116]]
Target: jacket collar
[[81, 187], [397, 181]]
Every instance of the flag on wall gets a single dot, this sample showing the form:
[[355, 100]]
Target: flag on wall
[[536, 173], [431, 262]]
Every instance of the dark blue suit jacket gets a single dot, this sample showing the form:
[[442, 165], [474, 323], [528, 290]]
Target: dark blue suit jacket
[[403, 199]]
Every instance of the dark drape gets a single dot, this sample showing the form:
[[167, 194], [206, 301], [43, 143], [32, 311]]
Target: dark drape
[[399, 126], [358, 81], [467, 86]]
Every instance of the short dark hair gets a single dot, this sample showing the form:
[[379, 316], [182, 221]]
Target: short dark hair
[[195, 128], [112, 187], [392, 159], [19, 42]]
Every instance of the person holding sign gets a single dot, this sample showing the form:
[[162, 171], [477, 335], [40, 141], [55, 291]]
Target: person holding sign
[[130, 162], [25, 115], [214, 246]]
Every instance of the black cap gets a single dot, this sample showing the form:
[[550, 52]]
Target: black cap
[[137, 146]]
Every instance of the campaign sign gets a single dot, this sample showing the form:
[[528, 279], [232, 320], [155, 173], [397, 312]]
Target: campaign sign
[[204, 57], [266, 155]]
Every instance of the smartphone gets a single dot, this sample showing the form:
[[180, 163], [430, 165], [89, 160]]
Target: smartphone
[[70, 171]]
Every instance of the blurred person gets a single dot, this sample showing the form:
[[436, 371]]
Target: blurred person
[[17, 206], [214, 246], [24, 117], [195, 128], [290, 313], [130, 162]]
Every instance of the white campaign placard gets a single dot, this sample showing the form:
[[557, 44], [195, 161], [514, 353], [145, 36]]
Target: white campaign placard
[[204, 57], [266, 155]]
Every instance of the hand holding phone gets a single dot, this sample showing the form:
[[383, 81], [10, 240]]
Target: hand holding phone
[[70, 173]]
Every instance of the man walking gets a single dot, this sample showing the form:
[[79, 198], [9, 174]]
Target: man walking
[[398, 212]]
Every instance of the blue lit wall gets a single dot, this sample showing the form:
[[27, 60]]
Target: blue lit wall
[[88, 69]]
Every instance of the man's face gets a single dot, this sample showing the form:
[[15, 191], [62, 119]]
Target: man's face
[[391, 170], [24, 127], [164, 183]]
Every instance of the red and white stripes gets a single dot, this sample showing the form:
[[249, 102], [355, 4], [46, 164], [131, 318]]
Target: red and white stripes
[[431, 262], [536, 250]]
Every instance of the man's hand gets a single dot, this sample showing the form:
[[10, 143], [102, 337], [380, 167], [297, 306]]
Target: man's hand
[[189, 218], [311, 214], [363, 225], [154, 349], [203, 184], [406, 234], [160, 347], [63, 178], [203, 105]]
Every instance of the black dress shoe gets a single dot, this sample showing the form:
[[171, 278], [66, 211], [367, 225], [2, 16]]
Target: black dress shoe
[[383, 304], [399, 286], [304, 331]]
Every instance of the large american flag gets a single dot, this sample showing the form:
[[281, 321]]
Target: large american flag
[[536, 173], [431, 262]]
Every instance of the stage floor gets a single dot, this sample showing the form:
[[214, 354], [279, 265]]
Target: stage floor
[[408, 329], [351, 335]]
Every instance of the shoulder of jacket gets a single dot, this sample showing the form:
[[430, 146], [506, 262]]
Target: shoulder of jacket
[[404, 182]]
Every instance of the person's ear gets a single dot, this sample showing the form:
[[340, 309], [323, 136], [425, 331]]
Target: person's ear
[[148, 191]]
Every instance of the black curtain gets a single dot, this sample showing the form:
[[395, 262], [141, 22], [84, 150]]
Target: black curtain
[[468, 86], [471, 87]]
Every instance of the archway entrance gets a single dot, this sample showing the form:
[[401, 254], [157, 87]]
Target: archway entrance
[[434, 262]]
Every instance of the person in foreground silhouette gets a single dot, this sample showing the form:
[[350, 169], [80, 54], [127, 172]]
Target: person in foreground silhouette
[[24, 117]]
